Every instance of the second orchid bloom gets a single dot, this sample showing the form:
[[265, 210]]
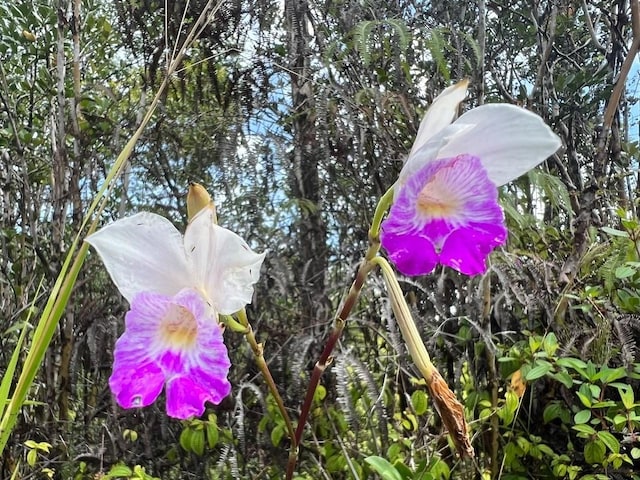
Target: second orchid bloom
[[445, 207]]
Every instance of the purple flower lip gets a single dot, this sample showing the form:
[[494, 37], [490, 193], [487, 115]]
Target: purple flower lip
[[446, 213], [172, 342]]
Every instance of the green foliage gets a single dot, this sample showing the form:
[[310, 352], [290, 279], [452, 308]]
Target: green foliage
[[369, 36], [437, 46], [198, 434], [124, 472], [599, 412], [427, 470]]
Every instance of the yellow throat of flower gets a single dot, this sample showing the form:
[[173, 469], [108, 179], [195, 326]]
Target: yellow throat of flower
[[436, 200], [178, 327]]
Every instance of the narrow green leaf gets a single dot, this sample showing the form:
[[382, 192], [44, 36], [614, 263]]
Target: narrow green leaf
[[212, 434], [614, 232], [185, 439], [276, 435], [550, 344], [197, 442]]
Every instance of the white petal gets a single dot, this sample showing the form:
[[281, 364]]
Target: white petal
[[224, 265], [509, 140], [440, 114], [143, 252], [429, 151]]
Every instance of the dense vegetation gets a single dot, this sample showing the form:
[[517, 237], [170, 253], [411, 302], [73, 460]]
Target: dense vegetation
[[296, 116]]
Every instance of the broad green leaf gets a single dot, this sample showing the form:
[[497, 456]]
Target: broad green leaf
[[564, 378], [120, 471], [320, 393], [555, 410], [624, 271], [539, 370], [439, 469], [583, 428], [570, 362], [626, 395], [610, 441], [583, 416], [608, 375], [383, 468], [419, 402], [594, 452]]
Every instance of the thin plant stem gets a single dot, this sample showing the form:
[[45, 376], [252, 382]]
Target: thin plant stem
[[258, 353], [339, 323]]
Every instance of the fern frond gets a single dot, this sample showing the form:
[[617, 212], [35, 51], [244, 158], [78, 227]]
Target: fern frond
[[361, 40], [624, 332], [343, 388], [297, 366], [374, 392], [553, 188], [475, 47], [239, 411], [436, 44], [402, 31], [614, 258], [229, 456]]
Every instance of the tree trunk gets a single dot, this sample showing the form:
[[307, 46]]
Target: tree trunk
[[304, 179]]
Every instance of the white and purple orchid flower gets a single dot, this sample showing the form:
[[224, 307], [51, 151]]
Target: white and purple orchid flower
[[176, 288], [445, 207]]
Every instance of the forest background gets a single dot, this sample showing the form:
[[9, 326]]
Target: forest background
[[296, 115]]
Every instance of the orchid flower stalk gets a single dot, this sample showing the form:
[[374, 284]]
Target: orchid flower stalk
[[198, 199], [450, 409], [339, 323]]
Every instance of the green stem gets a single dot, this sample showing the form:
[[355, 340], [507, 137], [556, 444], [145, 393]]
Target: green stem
[[258, 353], [383, 205]]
